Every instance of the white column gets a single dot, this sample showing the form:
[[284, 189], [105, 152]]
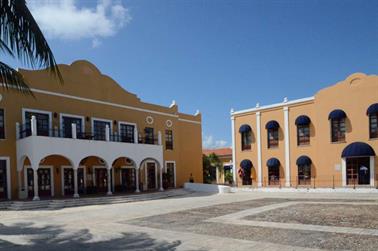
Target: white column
[[107, 133], [137, 180], [372, 171], [160, 141], [18, 130], [33, 126], [76, 185], [287, 146], [259, 157], [73, 130], [35, 183], [19, 180], [161, 180], [343, 171], [109, 182], [136, 135], [233, 148]]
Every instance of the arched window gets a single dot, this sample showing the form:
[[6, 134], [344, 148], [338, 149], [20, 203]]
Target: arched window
[[338, 128], [372, 112], [246, 137], [303, 130], [304, 170], [273, 171], [246, 166], [273, 136]]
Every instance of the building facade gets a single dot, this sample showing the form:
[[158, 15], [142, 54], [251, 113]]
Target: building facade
[[225, 156], [329, 140], [90, 136]]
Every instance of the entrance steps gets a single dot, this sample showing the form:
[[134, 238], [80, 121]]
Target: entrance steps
[[55, 204]]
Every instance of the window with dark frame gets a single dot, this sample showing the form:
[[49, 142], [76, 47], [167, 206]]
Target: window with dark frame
[[168, 140], [373, 126], [2, 124], [272, 137], [303, 135], [67, 126], [127, 133], [338, 130], [99, 128], [246, 140], [149, 135], [43, 123]]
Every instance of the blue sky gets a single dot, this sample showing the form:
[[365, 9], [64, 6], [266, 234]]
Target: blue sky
[[215, 55]]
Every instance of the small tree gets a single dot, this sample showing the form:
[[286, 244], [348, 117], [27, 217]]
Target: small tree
[[211, 163]]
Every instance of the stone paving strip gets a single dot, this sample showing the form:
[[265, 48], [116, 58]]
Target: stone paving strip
[[236, 219]]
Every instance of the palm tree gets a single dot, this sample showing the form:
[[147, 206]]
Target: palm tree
[[20, 37]]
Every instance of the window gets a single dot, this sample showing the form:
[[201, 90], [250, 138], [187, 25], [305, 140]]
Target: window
[[303, 135], [170, 174], [338, 130], [274, 175], [67, 126], [126, 132], [43, 123], [99, 128], [373, 126], [304, 174], [2, 124], [168, 139], [246, 140], [149, 135], [272, 137]]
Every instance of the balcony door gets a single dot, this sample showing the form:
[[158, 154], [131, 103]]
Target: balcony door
[[67, 122], [43, 122], [99, 128], [126, 132]]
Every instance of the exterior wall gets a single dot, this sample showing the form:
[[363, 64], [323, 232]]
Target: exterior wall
[[87, 93], [353, 95]]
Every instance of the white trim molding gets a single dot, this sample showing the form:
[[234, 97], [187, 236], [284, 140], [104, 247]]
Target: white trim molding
[[9, 187], [343, 171], [233, 149], [372, 170], [277, 105], [259, 157], [287, 146]]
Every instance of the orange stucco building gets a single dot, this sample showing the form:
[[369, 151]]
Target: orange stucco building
[[88, 135], [328, 140]]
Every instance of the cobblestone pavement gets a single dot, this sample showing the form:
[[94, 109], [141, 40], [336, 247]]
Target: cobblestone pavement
[[192, 222]]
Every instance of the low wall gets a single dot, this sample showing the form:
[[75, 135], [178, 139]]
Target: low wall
[[210, 188]]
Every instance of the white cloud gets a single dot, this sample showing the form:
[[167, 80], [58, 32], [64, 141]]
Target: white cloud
[[210, 143], [65, 20]]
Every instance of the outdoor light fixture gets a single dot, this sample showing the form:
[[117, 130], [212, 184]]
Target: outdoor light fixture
[[115, 122], [55, 115], [87, 119]]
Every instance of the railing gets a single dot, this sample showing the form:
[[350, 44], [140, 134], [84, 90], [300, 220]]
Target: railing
[[29, 129]]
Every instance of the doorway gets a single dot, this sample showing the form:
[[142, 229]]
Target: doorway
[[358, 171]]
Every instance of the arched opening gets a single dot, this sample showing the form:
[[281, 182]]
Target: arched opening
[[124, 175], [359, 159], [304, 170], [245, 172], [273, 165], [97, 179], [150, 174]]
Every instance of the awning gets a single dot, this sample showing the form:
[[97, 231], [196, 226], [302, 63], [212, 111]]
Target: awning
[[358, 149], [303, 120], [273, 162], [304, 161], [246, 164], [337, 114], [373, 109], [245, 128], [272, 125]]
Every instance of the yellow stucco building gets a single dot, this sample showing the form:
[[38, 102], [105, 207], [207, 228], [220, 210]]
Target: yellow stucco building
[[329, 140], [90, 136]]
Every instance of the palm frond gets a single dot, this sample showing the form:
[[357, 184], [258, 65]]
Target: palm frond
[[12, 79], [20, 33]]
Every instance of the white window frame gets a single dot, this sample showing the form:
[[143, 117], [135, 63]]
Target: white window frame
[[7, 159], [61, 115], [174, 169], [24, 110], [93, 119]]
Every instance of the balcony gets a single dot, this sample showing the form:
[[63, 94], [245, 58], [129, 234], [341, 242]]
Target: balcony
[[36, 143]]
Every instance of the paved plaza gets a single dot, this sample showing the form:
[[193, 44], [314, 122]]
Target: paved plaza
[[199, 221]]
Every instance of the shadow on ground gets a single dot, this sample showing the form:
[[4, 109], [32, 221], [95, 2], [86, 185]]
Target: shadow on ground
[[27, 237]]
